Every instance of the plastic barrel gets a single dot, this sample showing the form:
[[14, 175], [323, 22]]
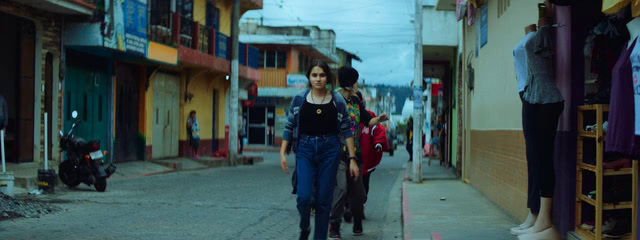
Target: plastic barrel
[[47, 180], [6, 183]]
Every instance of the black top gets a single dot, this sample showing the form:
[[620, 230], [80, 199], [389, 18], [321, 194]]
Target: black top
[[318, 119]]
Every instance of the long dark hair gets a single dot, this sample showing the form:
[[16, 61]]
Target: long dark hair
[[331, 79]]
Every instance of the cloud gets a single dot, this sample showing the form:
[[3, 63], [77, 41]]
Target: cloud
[[378, 31]]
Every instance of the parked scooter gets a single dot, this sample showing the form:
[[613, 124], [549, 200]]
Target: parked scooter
[[85, 160]]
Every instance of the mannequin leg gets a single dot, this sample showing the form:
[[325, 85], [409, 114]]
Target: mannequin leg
[[546, 117]]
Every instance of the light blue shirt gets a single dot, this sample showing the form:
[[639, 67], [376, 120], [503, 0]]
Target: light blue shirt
[[520, 60]]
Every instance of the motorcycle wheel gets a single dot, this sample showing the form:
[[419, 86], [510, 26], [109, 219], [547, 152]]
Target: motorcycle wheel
[[101, 184], [67, 175]]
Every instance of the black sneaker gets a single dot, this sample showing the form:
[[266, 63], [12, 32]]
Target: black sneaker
[[357, 227], [304, 235], [334, 231], [347, 216]]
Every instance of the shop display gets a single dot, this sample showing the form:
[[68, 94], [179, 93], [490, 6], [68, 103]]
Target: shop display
[[616, 180]]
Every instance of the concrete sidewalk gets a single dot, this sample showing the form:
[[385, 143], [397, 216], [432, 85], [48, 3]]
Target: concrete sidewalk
[[464, 214], [26, 175]]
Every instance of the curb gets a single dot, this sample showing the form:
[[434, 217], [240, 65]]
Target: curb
[[406, 214]]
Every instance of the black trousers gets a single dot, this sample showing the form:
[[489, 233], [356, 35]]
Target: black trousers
[[348, 192], [533, 188], [540, 123]]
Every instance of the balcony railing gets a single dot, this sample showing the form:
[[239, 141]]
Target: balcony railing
[[223, 46], [205, 39], [161, 27], [254, 57], [172, 29], [242, 53], [187, 31]]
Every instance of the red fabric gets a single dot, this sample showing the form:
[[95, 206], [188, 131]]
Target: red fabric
[[368, 139]]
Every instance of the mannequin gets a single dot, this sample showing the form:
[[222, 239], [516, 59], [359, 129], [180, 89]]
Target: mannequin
[[519, 54], [634, 30], [546, 104]]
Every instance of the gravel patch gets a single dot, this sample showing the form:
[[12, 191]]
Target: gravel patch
[[11, 208]]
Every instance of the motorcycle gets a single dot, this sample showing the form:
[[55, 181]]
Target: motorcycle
[[85, 161]]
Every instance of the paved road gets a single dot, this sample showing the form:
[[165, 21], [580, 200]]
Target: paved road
[[245, 202]]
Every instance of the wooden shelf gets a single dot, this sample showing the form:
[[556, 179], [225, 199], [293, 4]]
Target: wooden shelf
[[605, 107], [606, 206], [585, 134], [590, 235], [601, 111], [607, 172]]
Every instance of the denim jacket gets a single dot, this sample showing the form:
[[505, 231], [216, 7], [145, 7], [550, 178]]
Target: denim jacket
[[291, 128]]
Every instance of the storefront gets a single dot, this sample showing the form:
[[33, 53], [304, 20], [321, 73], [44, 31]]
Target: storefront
[[589, 49]]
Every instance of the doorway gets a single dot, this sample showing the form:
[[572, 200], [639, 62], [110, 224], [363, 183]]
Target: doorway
[[87, 92], [17, 65], [127, 113], [166, 115]]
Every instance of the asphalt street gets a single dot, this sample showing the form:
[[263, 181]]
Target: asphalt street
[[244, 202]]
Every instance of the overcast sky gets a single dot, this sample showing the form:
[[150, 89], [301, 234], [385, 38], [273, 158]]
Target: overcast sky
[[380, 32]]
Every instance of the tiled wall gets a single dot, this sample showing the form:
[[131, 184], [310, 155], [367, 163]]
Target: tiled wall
[[499, 168]]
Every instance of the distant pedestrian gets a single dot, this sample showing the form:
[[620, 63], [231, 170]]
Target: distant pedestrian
[[241, 135], [317, 127], [350, 189], [193, 132], [410, 138]]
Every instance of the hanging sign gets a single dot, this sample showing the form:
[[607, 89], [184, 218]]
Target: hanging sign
[[484, 21]]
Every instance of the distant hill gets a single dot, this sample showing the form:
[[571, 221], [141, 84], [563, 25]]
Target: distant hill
[[401, 94]]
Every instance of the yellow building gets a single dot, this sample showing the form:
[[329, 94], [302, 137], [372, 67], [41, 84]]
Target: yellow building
[[196, 38]]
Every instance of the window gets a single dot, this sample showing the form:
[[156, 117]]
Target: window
[[273, 59], [303, 63], [262, 59], [185, 8], [270, 60], [502, 6], [281, 59], [213, 15]]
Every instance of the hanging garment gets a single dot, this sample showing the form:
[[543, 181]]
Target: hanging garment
[[541, 87], [461, 9], [471, 13], [614, 6], [620, 133], [635, 62]]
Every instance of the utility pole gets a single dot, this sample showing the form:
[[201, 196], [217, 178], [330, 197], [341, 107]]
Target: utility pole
[[417, 98], [233, 128]]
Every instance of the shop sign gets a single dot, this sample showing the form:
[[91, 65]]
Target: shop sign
[[478, 30], [135, 22], [248, 103], [126, 26], [297, 80], [280, 112], [162, 53], [484, 21]]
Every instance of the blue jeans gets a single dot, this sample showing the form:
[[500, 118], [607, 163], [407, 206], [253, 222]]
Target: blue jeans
[[317, 156]]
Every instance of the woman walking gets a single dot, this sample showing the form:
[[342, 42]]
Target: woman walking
[[317, 127]]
